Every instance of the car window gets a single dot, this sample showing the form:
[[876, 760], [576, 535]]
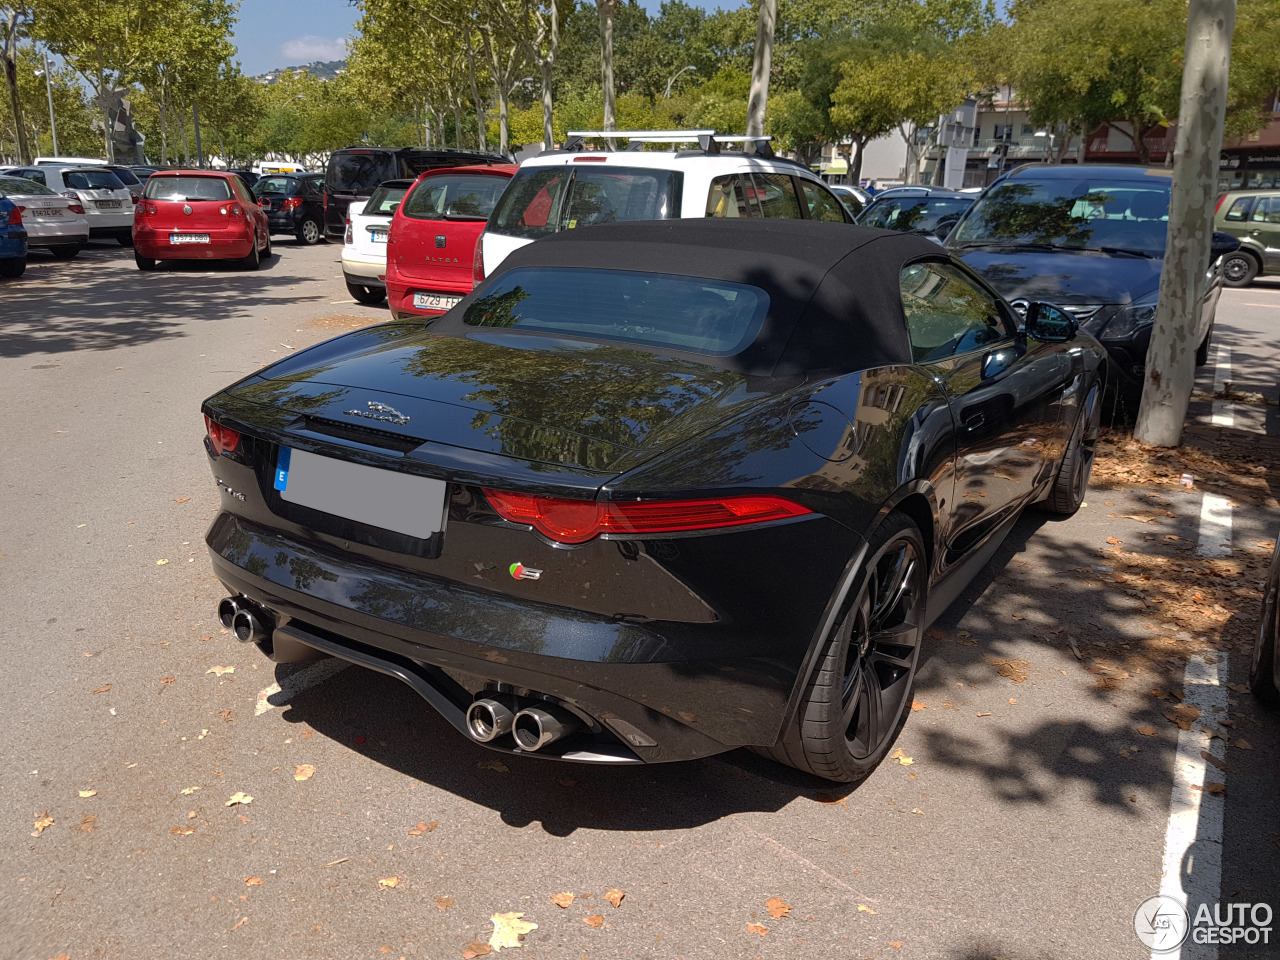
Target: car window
[[125, 175], [457, 196], [711, 317], [241, 189], [1240, 209], [312, 187], [191, 187], [285, 185], [777, 195], [1267, 210], [91, 180], [913, 214], [947, 313], [733, 197], [20, 186], [821, 203], [534, 204], [35, 175], [359, 172], [385, 200]]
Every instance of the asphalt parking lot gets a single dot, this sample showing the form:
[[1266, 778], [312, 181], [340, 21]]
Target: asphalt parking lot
[[170, 793]]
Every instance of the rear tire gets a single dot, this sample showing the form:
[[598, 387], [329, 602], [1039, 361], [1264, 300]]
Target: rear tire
[[144, 263], [1076, 466], [266, 251], [66, 251], [254, 260], [369, 296], [12, 268], [1202, 351], [1239, 269], [309, 232], [859, 697]]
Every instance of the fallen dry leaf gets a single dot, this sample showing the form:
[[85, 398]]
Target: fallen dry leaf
[[984, 714], [615, 897], [1243, 744], [1183, 714], [422, 828], [757, 928], [1217, 789], [161, 563], [182, 830], [562, 900], [181, 499], [1147, 731], [253, 881], [42, 821], [219, 671], [863, 908], [304, 771], [901, 757], [917, 705], [1114, 540], [388, 881], [777, 908], [896, 944], [444, 903], [238, 797], [509, 930], [476, 949], [105, 688], [88, 793], [187, 791], [88, 823], [495, 765], [1015, 670], [595, 920]]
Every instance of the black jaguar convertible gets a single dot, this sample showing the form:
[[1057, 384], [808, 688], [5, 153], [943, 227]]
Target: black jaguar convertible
[[654, 491]]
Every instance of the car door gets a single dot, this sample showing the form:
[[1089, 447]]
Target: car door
[[1264, 227], [1006, 396]]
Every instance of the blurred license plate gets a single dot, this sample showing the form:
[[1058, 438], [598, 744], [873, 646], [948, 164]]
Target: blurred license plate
[[435, 301], [378, 236], [108, 204], [46, 212], [188, 238], [381, 498]]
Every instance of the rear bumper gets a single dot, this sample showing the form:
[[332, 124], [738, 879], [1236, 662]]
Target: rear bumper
[[53, 234], [400, 294], [364, 270], [284, 222], [155, 244], [14, 246], [360, 280]]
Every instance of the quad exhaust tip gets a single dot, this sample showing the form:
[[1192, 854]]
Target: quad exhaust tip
[[491, 718], [535, 727], [247, 622]]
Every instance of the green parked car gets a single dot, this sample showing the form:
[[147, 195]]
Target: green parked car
[[1253, 217]]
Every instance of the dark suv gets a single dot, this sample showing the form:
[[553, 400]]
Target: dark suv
[[1090, 239], [293, 203], [355, 172]]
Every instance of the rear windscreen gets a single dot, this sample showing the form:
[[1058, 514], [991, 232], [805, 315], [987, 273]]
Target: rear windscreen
[[920, 214], [20, 187], [125, 175], [536, 203], [187, 188], [91, 180], [385, 199], [456, 196], [359, 172], [285, 185], [711, 317]]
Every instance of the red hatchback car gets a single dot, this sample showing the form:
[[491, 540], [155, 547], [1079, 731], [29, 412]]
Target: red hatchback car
[[199, 215], [434, 232]]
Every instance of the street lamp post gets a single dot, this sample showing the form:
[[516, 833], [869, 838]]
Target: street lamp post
[[48, 86], [673, 79]]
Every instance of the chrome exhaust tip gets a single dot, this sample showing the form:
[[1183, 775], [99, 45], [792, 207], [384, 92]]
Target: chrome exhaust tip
[[228, 607], [248, 626], [491, 718], [535, 727]]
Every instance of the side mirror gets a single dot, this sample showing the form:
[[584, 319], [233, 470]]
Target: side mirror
[[1221, 245], [1049, 324]]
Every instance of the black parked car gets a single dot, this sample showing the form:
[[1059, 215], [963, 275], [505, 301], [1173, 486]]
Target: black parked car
[[294, 203], [354, 173], [127, 176], [654, 491], [1092, 239], [931, 211]]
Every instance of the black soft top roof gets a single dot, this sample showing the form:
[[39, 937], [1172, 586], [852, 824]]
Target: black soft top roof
[[835, 302]]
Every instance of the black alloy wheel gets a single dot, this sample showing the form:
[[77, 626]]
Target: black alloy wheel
[[1262, 665], [1239, 269], [858, 699], [1076, 466], [309, 232]]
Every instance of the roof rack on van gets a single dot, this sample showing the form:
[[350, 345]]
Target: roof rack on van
[[707, 140]]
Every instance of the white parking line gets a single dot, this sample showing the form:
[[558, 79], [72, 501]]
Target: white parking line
[[1221, 368], [1215, 527], [1224, 413], [278, 694], [1193, 840]]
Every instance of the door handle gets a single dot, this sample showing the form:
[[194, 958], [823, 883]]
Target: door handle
[[973, 421]]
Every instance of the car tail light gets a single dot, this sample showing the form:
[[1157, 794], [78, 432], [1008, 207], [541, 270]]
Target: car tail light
[[477, 260], [577, 521], [134, 198], [264, 202], [291, 203], [347, 237], [1219, 203], [224, 439], [15, 216], [79, 208]]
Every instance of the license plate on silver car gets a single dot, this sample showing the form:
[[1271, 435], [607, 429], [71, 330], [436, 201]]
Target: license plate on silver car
[[435, 301], [108, 204], [46, 212], [188, 238], [388, 499]]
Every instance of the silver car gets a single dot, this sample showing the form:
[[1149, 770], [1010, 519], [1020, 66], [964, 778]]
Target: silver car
[[52, 221], [108, 203]]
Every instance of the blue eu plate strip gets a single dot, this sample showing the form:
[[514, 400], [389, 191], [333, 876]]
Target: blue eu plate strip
[[282, 468]]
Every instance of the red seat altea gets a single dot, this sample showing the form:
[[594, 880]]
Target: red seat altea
[[434, 235], [199, 215]]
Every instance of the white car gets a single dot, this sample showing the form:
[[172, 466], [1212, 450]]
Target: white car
[[564, 190], [364, 248], [53, 222], [108, 203]]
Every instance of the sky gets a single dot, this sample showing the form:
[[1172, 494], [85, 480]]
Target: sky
[[284, 33]]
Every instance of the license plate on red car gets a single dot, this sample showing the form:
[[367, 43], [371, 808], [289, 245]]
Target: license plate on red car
[[395, 501], [188, 238], [435, 301]]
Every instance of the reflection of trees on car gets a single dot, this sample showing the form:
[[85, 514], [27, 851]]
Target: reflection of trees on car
[[1010, 213], [497, 309]]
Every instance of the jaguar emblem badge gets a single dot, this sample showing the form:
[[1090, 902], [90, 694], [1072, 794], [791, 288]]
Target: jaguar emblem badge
[[379, 411], [186, 208]]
